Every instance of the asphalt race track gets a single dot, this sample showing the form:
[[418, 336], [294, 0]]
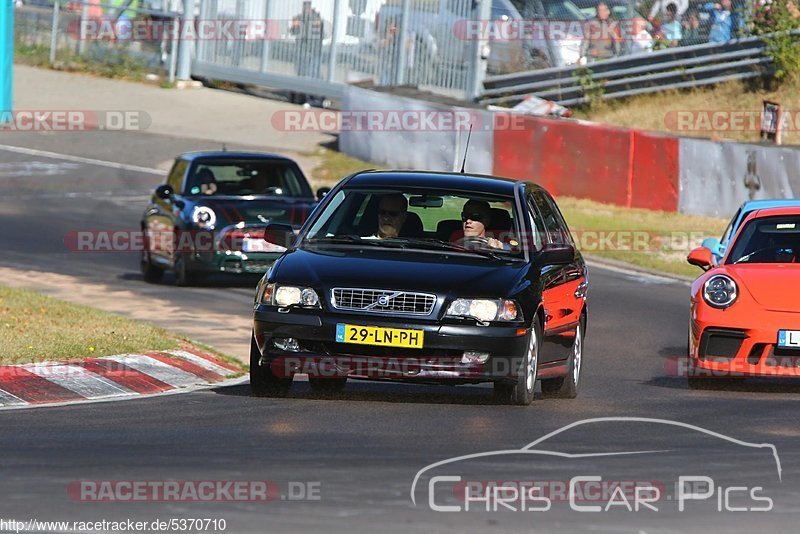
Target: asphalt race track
[[347, 462]]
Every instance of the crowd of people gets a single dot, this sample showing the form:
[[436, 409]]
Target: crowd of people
[[669, 23]]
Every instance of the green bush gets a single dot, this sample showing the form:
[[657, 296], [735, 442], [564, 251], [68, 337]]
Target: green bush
[[774, 19]]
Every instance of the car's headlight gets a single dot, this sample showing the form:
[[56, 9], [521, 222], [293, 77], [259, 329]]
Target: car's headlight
[[485, 310], [204, 217], [720, 291], [285, 296]]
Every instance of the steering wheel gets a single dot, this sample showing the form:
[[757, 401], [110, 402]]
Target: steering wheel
[[472, 241]]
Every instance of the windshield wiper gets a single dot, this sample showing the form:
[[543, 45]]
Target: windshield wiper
[[446, 245], [351, 240]]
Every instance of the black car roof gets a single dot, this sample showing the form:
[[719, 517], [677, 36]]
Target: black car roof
[[437, 180], [226, 154]]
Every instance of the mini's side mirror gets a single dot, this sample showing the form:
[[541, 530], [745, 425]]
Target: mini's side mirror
[[701, 256], [164, 192], [280, 234], [322, 191], [557, 254]]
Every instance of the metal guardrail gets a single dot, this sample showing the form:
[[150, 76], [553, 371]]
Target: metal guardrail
[[673, 68]]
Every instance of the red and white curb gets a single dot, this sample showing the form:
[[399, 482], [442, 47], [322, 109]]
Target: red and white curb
[[112, 377]]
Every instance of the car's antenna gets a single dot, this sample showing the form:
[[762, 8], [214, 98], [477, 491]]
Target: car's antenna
[[466, 149]]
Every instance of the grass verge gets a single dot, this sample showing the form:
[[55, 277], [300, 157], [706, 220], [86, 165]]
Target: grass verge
[[333, 166], [658, 112], [34, 327], [656, 240]]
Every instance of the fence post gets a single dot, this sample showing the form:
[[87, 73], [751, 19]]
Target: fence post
[[185, 47], [54, 32], [335, 36], [173, 48], [265, 45], [82, 33], [6, 60], [400, 59], [477, 63], [201, 46]]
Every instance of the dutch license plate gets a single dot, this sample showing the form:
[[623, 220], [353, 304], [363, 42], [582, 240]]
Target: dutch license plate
[[789, 338], [377, 335]]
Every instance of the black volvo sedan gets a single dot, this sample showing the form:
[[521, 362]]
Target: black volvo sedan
[[424, 277]]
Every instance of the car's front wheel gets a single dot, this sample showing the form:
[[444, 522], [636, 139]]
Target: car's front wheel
[[566, 387], [150, 272], [521, 392], [183, 276], [263, 381]]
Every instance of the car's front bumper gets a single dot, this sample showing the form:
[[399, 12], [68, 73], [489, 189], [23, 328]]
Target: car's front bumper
[[440, 359], [231, 262], [745, 344]]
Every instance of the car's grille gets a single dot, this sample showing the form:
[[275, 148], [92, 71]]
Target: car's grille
[[382, 301]]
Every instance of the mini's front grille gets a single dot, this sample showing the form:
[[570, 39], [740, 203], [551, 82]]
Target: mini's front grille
[[382, 301]]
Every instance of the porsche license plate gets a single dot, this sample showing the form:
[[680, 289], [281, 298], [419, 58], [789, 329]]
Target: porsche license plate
[[377, 335], [789, 339]]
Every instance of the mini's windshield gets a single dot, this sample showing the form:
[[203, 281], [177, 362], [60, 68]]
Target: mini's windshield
[[246, 177], [768, 240], [419, 219]]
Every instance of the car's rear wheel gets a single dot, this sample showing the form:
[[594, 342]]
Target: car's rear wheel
[[150, 272], [263, 381], [321, 384], [521, 392], [566, 387]]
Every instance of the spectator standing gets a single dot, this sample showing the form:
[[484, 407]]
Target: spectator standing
[[671, 29], [692, 34], [725, 22], [308, 28], [642, 40], [601, 37]]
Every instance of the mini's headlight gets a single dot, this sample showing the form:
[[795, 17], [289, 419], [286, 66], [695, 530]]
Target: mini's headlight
[[485, 310], [294, 296], [204, 217], [720, 291]]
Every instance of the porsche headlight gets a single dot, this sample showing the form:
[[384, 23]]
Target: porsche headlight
[[204, 217], [720, 291], [485, 310], [285, 296]]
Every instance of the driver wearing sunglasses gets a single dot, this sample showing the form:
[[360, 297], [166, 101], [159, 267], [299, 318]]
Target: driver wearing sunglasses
[[475, 217], [392, 213]]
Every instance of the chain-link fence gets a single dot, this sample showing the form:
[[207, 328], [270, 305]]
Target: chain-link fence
[[122, 34], [392, 42]]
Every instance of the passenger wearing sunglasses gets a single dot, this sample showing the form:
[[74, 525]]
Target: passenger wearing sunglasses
[[475, 217]]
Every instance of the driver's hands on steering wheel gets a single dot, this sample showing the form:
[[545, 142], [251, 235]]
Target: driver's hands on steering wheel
[[482, 241]]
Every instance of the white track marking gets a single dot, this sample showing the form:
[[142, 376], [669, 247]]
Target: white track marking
[[79, 159], [158, 370], [202, 362], [77, 379]]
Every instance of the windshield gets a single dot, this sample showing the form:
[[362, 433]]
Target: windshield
[[237, 177], [419, 219], [768, 240]]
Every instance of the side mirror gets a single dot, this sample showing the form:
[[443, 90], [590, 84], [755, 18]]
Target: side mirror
[[557, 254], [701, 256], [322, 191], [280, 234], [164, 192]]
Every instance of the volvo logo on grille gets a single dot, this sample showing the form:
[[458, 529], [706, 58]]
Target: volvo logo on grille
[[383, 300]]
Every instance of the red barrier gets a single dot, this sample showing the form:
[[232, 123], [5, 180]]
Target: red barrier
[[603, 163], [656, 172]]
